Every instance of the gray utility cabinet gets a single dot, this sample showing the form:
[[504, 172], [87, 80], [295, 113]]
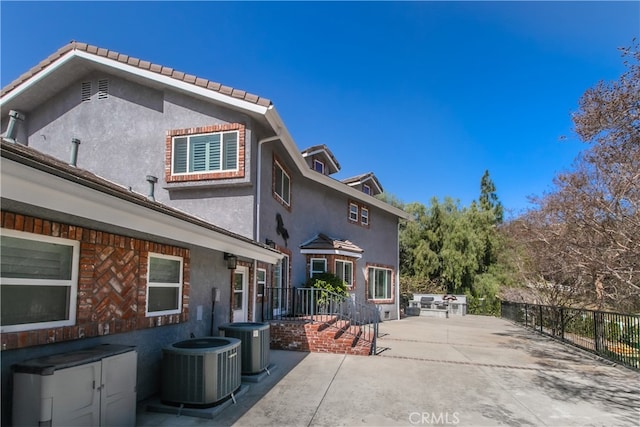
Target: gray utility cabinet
[[92, 387]]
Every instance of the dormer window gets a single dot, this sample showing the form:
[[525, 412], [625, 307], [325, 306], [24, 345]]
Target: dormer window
[[366, 189], [318, 166]]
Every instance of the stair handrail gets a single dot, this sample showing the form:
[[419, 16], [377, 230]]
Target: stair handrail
[[316, 304]]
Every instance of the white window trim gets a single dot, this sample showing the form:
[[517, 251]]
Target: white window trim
[[351, 212], [278, 185], [72, 283], [371, 270], [364, 216], [318, 162], [164, 285], [312, 271], [344, 262], [222, 154]]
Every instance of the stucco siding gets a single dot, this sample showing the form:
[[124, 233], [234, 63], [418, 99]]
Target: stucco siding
[[123, 140]]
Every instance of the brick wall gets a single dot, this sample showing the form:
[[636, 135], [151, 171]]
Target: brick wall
[[303, 335], [112, 283]]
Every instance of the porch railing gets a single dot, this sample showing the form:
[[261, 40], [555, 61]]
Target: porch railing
[[613, 336], [319, 305]]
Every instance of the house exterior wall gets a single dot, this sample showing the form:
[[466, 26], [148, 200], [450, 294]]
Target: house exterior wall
[[318, 209], [204, 270], [123, 139]]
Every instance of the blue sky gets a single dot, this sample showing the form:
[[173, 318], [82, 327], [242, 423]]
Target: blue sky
[[427, 95]]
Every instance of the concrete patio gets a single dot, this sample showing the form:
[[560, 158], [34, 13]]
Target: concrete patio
[[466, 371]]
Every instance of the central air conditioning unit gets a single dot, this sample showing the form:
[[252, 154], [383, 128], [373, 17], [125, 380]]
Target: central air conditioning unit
[[200, 372], [256, 344]]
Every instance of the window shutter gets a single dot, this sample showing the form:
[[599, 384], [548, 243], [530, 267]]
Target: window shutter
[[198, 154], [230, 151], [214, 152], [179, 155]]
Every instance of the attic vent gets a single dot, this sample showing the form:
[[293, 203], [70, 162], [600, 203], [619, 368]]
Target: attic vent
[[103, 89], [86, 91]]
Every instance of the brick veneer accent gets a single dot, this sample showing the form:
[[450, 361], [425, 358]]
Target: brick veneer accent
[[112, 283], [317, 337], [205, 175]]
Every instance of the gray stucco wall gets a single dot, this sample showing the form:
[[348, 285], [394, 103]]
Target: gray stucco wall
[[318, 209], [123, 140]]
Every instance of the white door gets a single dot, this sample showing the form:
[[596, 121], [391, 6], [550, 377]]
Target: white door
[[240, 278]]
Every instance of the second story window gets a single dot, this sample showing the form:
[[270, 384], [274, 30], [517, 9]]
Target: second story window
[[353, 212], [281, 184], [358, 214], [211, 152], [364, 216]]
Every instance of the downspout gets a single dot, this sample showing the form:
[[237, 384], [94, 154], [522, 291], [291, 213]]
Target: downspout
[[398, 274], [257, 228]]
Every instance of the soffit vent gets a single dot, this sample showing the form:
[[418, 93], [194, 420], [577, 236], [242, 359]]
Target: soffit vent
[[86, 91], [103, 89]]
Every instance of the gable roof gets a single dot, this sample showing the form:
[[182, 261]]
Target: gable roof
[[324, 151], [74, 60], [33, 178], [78, 47], [363, 178], [323, 244]]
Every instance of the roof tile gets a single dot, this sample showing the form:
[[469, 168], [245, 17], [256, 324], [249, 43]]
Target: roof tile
[[135, 62]]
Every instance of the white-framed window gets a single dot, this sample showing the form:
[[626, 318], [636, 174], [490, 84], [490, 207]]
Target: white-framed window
[[317, 266], [366, 189], [281, 183], [210, 152], [261, 280], [318, 166], [344, 270], [353, 212], [164, 285], [39, 285], [380, 283], [364, 216]]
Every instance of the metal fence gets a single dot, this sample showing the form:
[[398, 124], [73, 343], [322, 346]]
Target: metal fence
[[613, 336], [319, 305]]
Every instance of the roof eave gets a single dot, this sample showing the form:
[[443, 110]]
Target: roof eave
[[27, 181]]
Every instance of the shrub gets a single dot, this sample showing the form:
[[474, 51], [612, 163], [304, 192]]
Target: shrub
[[325, 283]]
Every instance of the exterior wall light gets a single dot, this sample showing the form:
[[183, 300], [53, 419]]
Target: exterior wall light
[[232, 261]]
